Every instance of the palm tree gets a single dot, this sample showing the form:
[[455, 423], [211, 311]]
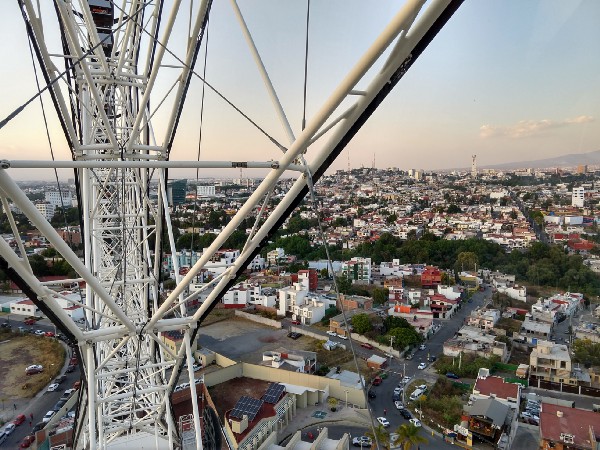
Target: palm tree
[[380, 436], [408, 436]]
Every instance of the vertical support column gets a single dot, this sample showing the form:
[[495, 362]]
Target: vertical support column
[[193, 392], [90, 365]]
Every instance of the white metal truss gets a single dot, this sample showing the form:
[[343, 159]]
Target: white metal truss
[[103, 103]]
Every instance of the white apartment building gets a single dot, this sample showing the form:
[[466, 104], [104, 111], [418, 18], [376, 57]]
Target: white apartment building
[[551, 362], [578, 196], [357, 270], [206, 191], [59, 198]]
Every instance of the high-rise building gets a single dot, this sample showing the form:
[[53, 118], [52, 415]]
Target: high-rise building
[[578, 196], [205, 191], [59, 198], [582, 168], [176, 191], [474, 166]]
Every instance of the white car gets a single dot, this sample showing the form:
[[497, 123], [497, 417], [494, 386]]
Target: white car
[[421, 366], [331, 333], [405, 380], [9, 428], [526, 415], [53, 387], [423, 387], [35, 367], [398, 404], [48, 416], [398, 390], [383, 421], [422, 347], [362, 441], [342, 336], [415, 422]]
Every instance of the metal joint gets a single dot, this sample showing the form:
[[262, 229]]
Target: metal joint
[[4, 164], [238, 164], [275, 165]]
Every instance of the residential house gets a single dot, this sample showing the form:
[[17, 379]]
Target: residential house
[[534, 330], [357, 270], [485, 318], [492, 421], [431, 277], [352, 302], [487, 386], [564, 428], [551, 362]]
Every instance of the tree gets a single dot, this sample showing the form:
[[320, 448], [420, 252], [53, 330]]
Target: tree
[[453, 209], [391, 218], [408, 436], [466, 261], [380, 437], [361, 323], [333, 402], [380, 295]]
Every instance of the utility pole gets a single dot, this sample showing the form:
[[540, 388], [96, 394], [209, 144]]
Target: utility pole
[[391, 347]]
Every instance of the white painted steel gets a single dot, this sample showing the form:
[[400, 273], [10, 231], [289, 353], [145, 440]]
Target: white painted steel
[[130, 372]]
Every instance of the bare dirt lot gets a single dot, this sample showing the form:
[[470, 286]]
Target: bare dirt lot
[[19, 351]]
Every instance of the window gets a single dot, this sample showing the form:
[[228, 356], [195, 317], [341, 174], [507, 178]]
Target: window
[[561, 380], [563, 364]]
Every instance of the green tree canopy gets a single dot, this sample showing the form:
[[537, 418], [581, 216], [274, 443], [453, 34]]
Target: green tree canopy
[[361, 323]]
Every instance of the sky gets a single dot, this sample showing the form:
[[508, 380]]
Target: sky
[[510, 80]]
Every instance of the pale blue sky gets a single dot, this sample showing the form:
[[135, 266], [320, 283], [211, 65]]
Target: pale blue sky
[[506, 80]]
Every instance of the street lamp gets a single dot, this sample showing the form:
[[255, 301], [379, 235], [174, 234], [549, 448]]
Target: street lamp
[[346, 391]]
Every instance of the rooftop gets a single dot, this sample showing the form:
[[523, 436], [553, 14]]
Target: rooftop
[[558, 421], [496, 385]]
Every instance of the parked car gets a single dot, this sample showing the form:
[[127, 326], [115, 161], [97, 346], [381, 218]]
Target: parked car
[[74, 361], [294, 335], [60, 379], [9, 428], [398, 390], [59, 404], [371, 394], [415, 422], [52, 387], [452, 375], [331, 333], [421, 366], [19, 419], [48, 416], [38, 426], [296, 322], [68, 393], [405, 380], [29, 322], [70, 368], [342, 336], [49, 334], [398, 404], [395, 397], [5, 325], [422, 347], [409, 356], [33, 369], [405, 413], [3, 436], [383, 421], [432, 358], [367, 345], [423, 387], [362, 441], [27, 441], [39, 332], [377, 381]]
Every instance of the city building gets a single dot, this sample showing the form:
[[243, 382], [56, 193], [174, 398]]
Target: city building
[[59, 199], [206, 191], [578, 196], [563, 428], [46, 209], [173, 341], [431, 277], [357, 270], [176, 191], [551, 362], [487, 386]]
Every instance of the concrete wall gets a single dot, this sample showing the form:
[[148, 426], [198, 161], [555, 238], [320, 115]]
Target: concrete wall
[[384, 348], [259, 319], [325, 386]]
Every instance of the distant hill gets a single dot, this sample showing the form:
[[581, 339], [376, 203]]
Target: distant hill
[[571, 160]]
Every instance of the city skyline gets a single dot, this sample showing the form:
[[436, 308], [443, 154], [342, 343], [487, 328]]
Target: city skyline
[[508, 81]]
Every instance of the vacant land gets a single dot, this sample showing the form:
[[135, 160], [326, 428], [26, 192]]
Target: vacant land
[[18, 352]]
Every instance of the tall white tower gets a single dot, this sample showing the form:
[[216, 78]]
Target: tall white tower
[[474, 166]]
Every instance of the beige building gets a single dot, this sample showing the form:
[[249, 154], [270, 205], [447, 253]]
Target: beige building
[[173, 340], [551, 362]]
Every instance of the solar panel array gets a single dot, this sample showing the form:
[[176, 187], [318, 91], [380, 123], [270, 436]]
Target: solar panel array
[[246, 406], [273, 393]]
